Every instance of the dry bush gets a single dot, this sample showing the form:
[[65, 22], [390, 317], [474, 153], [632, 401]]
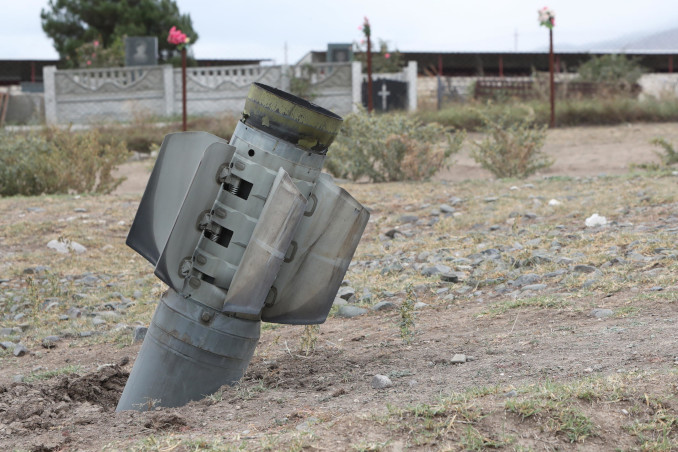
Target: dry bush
[[390, 147], [58, 161], [511, 148]]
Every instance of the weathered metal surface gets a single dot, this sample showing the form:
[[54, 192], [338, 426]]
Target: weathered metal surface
[[185, 233], [177, 162], [190, 351], [267, 247], [291, 118], [325, 242]]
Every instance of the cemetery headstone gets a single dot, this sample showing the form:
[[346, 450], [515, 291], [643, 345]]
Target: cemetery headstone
[[339, 53], [387, 95], [141, 51]]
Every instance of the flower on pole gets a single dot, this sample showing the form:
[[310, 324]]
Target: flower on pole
[[178, 38], [547, 17], [365, 28]]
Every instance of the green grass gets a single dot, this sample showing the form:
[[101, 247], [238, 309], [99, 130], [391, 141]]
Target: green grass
[[47, 374]]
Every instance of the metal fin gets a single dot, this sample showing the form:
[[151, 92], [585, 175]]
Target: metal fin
[[326, 240], [184, 236], [175, 167], [266, 249]]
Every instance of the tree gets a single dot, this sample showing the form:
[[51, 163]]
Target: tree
[[72, 23]]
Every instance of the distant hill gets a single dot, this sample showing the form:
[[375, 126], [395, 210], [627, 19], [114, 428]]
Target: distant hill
[[663, 41]]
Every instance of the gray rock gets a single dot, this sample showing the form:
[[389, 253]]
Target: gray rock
[[524, 280], [435, 270], [408, 218], [381, 382], [350, 311], [491, 199], [345, 292], [96, 321], [19, 350], [565, 261], [63, 317], [89, 280], [458, 358], [511, 393], [534, 287], [584, 269], [452, 277], [339, 302], [656, 289], [50, 341], [137, 294], [420, 305], [600, 313], [74, 313], [18, 378], [445, 208], [139, 334], [86, 333], [7, 345], [530, 215], [383, 306], [559, 272], [6, 331]]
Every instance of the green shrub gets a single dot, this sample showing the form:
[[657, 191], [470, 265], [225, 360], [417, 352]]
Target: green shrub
[[511, 148], [615, 70], [390, 147], [669, 156], [58, 161]]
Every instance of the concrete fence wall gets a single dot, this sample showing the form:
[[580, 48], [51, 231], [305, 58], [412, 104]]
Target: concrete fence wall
[[123, 94]]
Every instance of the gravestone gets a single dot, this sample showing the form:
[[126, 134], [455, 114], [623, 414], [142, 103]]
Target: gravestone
[[141, 51], [339, 53], [387, 95]]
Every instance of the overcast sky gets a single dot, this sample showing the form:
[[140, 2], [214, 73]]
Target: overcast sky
[[260, 29]]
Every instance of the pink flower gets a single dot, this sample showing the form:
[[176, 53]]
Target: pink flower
[[387, 55], [362, 41], [176, 36], [89, 63], [96, 43], [360, 28]]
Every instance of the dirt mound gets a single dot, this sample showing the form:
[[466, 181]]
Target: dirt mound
[[26, 407]]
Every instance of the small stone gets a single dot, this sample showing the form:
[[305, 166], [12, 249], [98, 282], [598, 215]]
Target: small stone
[[80, 210], [383, 306], [350, 311], [18, 378], [527, 279], [534, 287], [7, 345], [656, 289], [445, 208], [96, 321], [435, 269], [420, 305], [50, 341], [600, 313], [19, 350], [409, 218], [458, 358], [381, 382], [339, 302], [139, 334], [449, 277], [74, 313], [491, 199], [86, 333], [6, 331], [584, 269], [511, 393], [345, 292]]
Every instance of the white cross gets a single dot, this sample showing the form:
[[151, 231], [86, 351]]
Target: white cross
[[384, 94]]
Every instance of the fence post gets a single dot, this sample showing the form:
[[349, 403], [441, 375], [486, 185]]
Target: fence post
[[411, 77], [356, 85], [48, 77], [168, 88]]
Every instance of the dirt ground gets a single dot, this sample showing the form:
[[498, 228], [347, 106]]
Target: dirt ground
[[289, 400]]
